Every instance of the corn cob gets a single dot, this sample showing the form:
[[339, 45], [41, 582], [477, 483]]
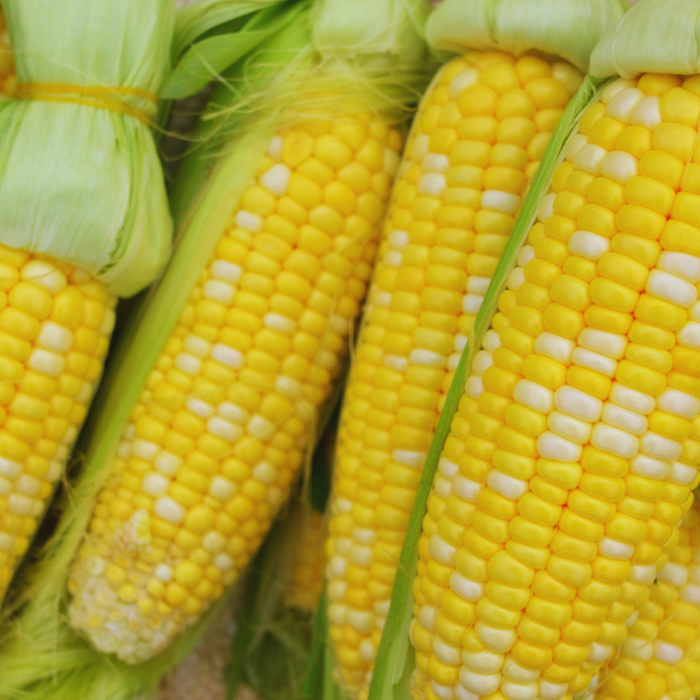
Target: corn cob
[[219, 433], [474, 146], [56, 320], [306, 582], [55, 325], [657, 658], [575, 448]]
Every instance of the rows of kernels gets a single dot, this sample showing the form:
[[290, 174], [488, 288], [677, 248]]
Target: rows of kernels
[[648, 664], [306, 582], [475, 144], [55, 325], [219, 433], [672, 420], [8, 79], [570, 460]]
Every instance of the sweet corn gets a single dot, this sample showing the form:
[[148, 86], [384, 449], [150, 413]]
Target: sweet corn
[[218, 436], [306, 583], [475, 144], [575, 448], [659, 656], [55, 326]]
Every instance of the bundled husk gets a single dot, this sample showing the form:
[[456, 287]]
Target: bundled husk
[[82, 183]]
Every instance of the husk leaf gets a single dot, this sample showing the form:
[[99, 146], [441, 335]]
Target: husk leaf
[[655, 36], [394, 662], [79, 183], [565, 28], [259, 95], [216, 38]]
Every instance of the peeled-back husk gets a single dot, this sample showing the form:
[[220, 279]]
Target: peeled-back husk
[[565, 28], [655, 36], [80, 183]]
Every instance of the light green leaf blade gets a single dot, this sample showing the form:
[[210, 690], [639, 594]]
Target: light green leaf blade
[[206, 59]]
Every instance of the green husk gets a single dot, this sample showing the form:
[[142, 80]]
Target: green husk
[[394, 663], [655, 36], [79, 183], [42, 656], [566, 28]]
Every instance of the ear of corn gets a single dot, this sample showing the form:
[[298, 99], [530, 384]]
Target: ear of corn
[[217, 438], [55, 325], [214, 421], [659, 657], [475, 145], [56, 317], [574, 452]]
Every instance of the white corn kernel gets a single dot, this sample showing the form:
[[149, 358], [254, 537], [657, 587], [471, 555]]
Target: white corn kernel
[[248, 221], [218, 291], [466, 588], [169, 510], [553, 446], [611, 345], [575, 144], [54, 337], [155, 484], [569, 427], [578, 404], [648, 466], [619, 166], [625, 420], [589, 158], [276, 179], [555, 347], [226, 271], [682, 473], [46, 362], [660, 447], [462, 81], [595, 361], [589, 245], [506, 485], [614, 441], [500, 201], [678, 403], [432, 185], [647, 112], [621, 105], [222, 489], [632, 399], [671, 288], [614, 549], [534, 396]]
